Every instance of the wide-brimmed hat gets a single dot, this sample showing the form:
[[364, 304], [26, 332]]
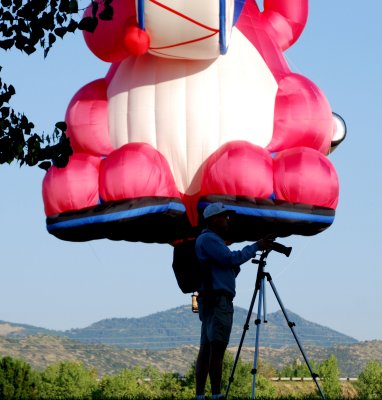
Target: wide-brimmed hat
[[215, 209]]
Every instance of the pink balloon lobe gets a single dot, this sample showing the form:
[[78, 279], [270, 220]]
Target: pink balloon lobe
[[72, 188]]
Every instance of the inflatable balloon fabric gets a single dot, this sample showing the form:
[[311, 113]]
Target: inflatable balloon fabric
[[199, 105]]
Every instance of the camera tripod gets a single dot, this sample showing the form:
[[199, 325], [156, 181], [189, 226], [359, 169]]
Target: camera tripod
[[260, 290]]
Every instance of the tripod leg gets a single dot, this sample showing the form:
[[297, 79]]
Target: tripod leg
[[291, 326], [265, 303], [245, 329], [258, 323]]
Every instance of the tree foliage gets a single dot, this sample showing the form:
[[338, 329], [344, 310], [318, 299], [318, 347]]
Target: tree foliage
[[241, 386], [17, 380], [297, 369], [68, 380], [329, 374], [146, 383], [369, 383], [18, 141], [243, 379], [26, 25]]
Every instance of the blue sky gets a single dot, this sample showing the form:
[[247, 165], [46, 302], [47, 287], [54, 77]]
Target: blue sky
[[333, 278]]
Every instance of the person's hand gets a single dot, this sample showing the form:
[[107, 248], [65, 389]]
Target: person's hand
[[264, 244]]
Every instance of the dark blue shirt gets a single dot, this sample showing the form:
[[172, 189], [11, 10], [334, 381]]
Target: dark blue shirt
[[224, 264]]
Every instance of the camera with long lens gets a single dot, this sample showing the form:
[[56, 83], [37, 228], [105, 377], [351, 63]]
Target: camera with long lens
[[281, 248]]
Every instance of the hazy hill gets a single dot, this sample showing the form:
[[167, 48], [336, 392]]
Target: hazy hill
[[168, 340], [352, 358], [12, 329], [41, 351], [179, 326]]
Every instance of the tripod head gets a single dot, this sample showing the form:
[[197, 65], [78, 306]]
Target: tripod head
[[278, 247]]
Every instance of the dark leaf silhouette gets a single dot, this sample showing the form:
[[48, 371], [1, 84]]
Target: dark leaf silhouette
[[61, 126], [7, 44], [28, 25], [73, 7], [60, 32], [107, 13], [45, 165], [88, 24]]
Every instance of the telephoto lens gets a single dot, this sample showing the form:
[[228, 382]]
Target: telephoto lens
[[281, 248]]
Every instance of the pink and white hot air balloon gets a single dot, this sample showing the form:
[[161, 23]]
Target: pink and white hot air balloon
[[199, 105]]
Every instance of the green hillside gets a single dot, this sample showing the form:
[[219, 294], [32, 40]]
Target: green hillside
[[179, 326], [41, 351], [169, 340]]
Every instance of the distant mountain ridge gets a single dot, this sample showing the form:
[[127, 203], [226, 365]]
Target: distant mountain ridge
[[169, 340], [41, 351], [179, 326]]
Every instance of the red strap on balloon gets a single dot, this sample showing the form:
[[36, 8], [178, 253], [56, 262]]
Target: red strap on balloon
[[222, 22]]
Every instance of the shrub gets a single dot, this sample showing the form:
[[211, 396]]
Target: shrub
[[68, 379], [330, 375], [17, 380], [369, 384]]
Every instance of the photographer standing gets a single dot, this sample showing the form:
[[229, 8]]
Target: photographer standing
[[220, 267]]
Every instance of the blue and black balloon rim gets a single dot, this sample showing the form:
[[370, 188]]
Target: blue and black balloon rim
[[164, 220]]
